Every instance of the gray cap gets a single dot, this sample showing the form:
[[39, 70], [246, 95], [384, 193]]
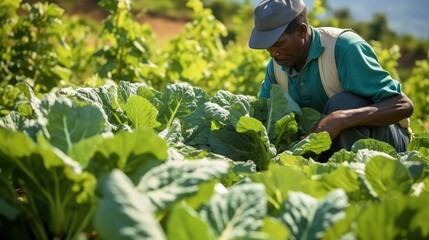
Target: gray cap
[[271, 19]]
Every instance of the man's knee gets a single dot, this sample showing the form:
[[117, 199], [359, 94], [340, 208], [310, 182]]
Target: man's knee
[[345, 100]]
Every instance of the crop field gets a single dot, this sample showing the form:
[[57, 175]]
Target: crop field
[[106, 135]]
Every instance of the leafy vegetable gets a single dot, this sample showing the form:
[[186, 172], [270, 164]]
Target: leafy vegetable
[[124, 213]]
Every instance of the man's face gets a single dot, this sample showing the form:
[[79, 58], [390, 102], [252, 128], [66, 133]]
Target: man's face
[[288, 50]]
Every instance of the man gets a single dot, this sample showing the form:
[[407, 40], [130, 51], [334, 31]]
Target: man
[[368, 103]]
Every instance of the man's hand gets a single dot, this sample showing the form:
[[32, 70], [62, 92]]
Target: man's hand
[[334, 123]]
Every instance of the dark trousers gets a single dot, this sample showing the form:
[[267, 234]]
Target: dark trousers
[[393, 134]]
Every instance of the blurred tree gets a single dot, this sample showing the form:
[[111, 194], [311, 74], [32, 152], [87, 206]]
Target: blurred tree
[[379, 29], [344, 17]]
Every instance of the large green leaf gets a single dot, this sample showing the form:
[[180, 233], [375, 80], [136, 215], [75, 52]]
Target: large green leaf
[[176, 180], [196, 128], [418, 142], [179, 100], [416, 169], [257, 132], [415, 156], [227, 99], [134, 153], [123, 212], [104, 98], [59, 192], [342, 156], [374, 145], [280, 105], [418, 223], [275, 229], [394, 218], [239, 147], [308, 166], [315, 142], [260, 109], [173, 134], [342, 177], [84, 150], [237, 106], [239, 213], [141, 112], [237, 111], [184, 223], [188, 152], [295, 162], [365, 155], [309, 218], [308, 119], [279, 180], [217, 114], [284, 129], [70, 122], [127, 89], [388, 176], [16, 122], [18, 145], [342, 229], [29, 93], [348, 180]]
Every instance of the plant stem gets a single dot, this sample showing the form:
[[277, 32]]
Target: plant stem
[[173, 114], [33, 213]]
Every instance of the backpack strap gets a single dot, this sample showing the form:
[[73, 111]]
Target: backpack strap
[[281, 76], [327, 65]]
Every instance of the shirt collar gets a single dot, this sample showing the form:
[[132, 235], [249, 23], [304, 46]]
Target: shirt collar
[[316, 50]]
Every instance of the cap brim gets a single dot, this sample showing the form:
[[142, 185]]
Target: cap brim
[[265, 39]]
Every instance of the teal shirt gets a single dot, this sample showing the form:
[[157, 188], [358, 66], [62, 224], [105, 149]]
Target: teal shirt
[[358, 69]]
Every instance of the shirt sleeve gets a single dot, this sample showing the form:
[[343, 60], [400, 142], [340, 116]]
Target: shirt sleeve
[[360, 72], [269, 79]]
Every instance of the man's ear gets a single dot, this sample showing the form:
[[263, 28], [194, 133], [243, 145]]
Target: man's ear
[[301, 30]]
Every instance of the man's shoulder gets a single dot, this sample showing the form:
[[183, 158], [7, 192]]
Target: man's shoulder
[[348, 39]]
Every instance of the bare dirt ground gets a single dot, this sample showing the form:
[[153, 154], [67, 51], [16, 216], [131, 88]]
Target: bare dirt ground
[[164, 27]]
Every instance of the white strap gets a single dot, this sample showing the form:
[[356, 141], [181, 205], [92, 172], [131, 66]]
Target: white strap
[[281, 76], [327, 65]]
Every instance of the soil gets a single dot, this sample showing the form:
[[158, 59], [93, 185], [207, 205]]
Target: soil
[[165, 27]]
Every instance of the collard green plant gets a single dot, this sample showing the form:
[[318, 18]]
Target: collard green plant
[[238, 213], [309, 218], [124, 213], [179, 179], [58, 198]]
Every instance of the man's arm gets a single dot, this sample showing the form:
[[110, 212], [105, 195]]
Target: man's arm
[[383, 113]]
